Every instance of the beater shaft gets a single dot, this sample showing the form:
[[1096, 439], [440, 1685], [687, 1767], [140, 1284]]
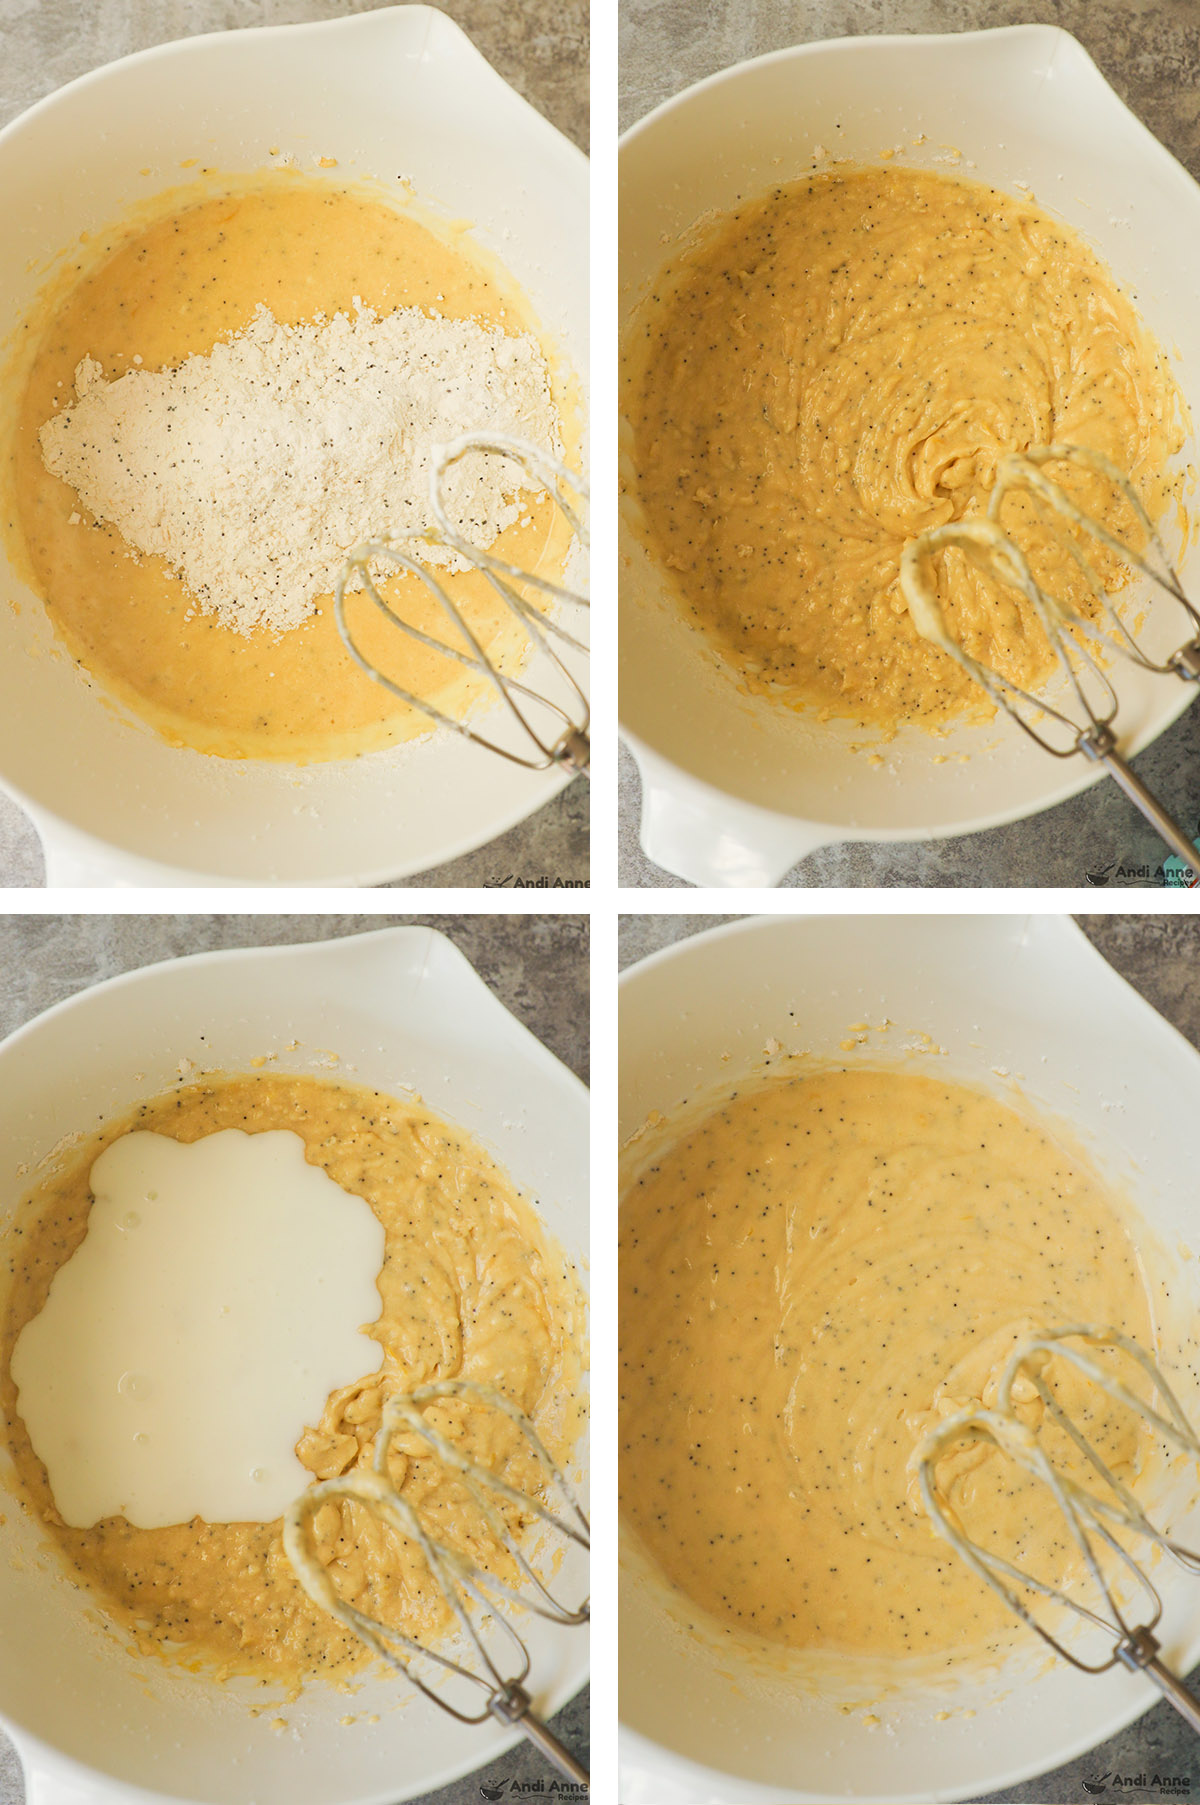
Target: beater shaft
[[512, 1706], [1100, 745], [1139, 1652]]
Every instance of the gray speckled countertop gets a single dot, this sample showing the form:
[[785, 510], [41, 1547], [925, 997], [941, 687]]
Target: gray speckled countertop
[[536, 964], [1150, 51], [1160, 957], [541, 47]]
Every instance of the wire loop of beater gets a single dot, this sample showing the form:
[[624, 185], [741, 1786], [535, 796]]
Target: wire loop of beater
[[990, 550], [571, 1523], [1023, 470], [470, 1591], [1074, 640], [569, 748], [1089, 1514]]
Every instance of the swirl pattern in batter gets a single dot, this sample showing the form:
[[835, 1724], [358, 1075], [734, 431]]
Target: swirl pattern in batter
[[835, 367], [811, 1276]]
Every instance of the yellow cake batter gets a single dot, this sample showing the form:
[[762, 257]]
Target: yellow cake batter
[[471, 1288], [837, 366], [161, 290], [810, 1277]]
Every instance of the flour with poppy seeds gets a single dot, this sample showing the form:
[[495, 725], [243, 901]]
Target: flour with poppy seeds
[[253, 470]]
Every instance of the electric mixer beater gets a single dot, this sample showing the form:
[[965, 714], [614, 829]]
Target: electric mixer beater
[[1087, 714], [495, 1661], [1026, 1409], [551, 729]]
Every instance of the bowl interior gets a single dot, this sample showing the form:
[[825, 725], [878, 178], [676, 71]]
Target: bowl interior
[[402, 1011], [1021, 107], [1005, 1001], [397, 93]]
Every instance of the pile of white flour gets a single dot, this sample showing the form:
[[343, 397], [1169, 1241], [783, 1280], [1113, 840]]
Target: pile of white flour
[[255, 469]]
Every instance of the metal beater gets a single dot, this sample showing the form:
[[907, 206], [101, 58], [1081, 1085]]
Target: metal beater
[[553, 732], [1070, 635], [1088, 1513], [471, 1593]]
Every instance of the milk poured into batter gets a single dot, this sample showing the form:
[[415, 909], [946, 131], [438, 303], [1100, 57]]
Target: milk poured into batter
[[471, 1287], [215, 1302]]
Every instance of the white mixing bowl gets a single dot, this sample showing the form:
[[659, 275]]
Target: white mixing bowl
[[1023, 996], [399, 1010], [735, 791], [399, 92]]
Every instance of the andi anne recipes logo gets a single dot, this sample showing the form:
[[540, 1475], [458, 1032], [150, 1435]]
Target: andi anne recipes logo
[[1157, 1786], [534, 1789], [1169, 873]]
